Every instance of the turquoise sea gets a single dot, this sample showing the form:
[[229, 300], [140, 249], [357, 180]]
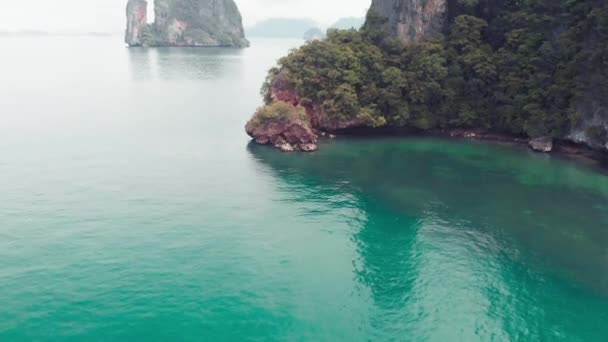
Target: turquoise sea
[[134, 208]]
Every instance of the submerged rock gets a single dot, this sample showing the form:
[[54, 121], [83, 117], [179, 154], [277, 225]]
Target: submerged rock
[[285, 147], [203, 23], [542, 144], [308, 147]]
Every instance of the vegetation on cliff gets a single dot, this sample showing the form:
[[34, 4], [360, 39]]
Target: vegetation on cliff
[[284, 125], [519, 67], [277, 112]]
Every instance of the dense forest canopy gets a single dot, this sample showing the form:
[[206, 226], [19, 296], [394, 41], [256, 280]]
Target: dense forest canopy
[[517, 66]]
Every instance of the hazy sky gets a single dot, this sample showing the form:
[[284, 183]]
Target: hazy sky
[[109, 15]]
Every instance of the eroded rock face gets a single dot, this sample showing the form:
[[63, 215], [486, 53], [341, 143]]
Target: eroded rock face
[[287, 136], [282, 90], [592, 127], [198, 23], [283, 124], [412, 20], [137, 22], [298, 133], [186, 23]]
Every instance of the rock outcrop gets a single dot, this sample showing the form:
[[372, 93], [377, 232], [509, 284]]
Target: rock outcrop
[[282, 90], [137, 22], [202, 23], [412, 20], [284, 125], [300, 131], [287, 136], [541, 144], [592, 126]]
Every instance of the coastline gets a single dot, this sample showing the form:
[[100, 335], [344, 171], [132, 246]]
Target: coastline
[[561, 148]]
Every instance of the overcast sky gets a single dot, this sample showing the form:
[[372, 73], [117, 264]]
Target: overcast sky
[[109, 15]]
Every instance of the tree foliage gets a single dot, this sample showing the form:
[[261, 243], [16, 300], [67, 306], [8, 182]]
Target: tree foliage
[[278, 112], [518, 66]]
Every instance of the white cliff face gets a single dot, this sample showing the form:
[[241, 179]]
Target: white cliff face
[[592, 126], [187, 23]]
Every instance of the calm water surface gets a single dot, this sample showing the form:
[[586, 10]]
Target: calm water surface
[[133, 208]]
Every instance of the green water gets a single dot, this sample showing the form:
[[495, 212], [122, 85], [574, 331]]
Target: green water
[[132, 207]]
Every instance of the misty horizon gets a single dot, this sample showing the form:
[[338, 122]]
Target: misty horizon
[[108, 16]]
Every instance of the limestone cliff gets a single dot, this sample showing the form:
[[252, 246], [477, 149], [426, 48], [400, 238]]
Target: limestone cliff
[[552, 92], [186, 23], [137, 22], [412, 20]]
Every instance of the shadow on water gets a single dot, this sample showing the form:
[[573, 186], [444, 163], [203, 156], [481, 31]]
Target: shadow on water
[[140, 64], [183, 63], [506, 229]]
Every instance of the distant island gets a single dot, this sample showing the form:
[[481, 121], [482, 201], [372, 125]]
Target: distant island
[[299, 28], [24, 33], [282, 28], [349, 23], [199, 23], [314, 34], [526, 71], [38, 33]]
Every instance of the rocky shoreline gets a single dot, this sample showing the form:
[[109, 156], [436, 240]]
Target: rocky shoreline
[[301, 133], [560, 148], [556, 147], [358, 83], [540, 145], [543, 145]]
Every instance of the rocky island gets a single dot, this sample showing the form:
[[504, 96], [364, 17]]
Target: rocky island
[[533, 71], [198, 23]]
